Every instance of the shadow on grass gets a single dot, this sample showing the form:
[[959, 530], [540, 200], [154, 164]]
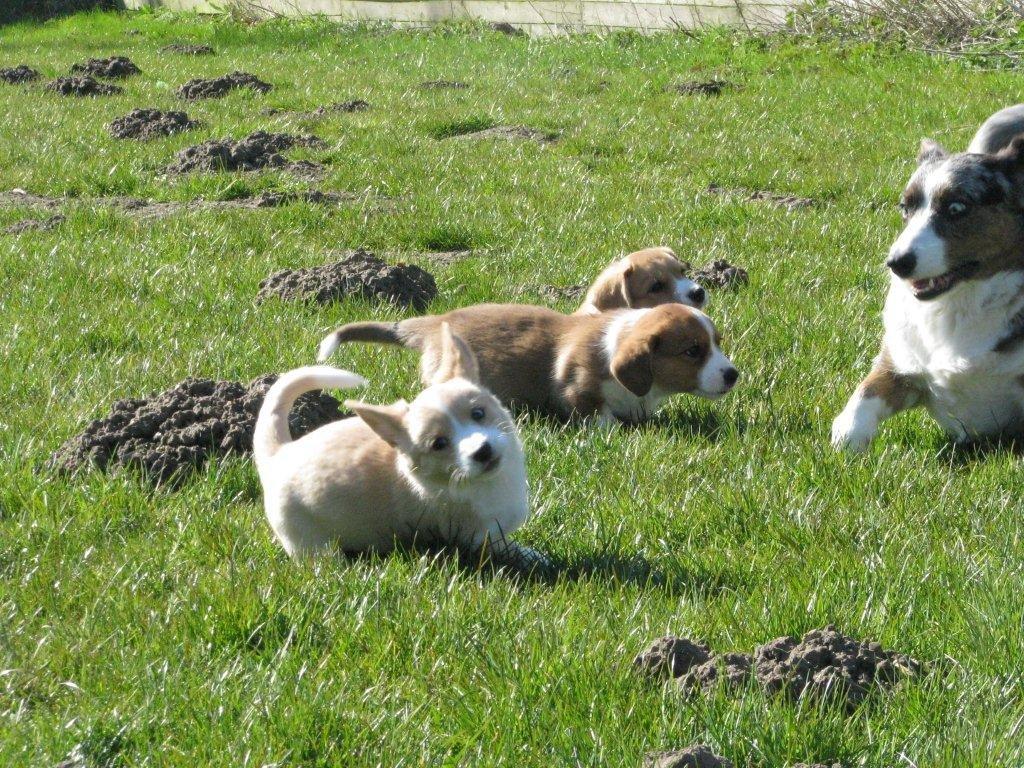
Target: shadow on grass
[[41, 10], [967, 454]]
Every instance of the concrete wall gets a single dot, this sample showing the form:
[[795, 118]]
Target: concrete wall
[[534, 16]]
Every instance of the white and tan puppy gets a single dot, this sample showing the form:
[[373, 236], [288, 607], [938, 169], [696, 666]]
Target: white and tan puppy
[[954, 316], [446, 467], [619, 366], [642, 279]]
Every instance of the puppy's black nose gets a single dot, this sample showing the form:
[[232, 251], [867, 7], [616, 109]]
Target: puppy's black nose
[[903, 265], [483, 454], [696, 295], [730, 376]]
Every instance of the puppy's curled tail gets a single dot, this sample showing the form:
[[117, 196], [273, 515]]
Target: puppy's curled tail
[[381, 333], [271, 430]]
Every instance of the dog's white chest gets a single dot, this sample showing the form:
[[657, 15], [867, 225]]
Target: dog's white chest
[[950, 344], [622, 405]]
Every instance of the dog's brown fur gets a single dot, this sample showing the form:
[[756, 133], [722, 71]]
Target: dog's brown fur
[[539, 359]]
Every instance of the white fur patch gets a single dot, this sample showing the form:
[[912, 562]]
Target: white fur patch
[[712, 376], [919, 236], [856, 426], [684, 286]]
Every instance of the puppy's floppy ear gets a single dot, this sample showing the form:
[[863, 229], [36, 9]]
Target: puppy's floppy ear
[[457, 359], [388, 421], [627, 293], [930, 151], [632, 365]]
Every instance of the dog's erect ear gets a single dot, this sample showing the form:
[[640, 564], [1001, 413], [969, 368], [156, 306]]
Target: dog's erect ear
[[632, 365], [930, 151], [1012, 154], [388, 421], [627, 292], [457, 359]]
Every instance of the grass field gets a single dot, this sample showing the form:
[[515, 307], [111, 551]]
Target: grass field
[[168, 628]]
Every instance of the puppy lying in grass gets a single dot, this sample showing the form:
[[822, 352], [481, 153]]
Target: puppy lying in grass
[[644, 278], [619, 366], [448, 467]]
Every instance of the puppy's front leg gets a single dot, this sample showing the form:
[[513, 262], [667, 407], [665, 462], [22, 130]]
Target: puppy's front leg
[[883, 393]]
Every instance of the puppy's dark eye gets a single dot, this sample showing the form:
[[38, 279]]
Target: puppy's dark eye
[[658, 286], [694, 351], [956, 208], [439, 443], [477, 414]]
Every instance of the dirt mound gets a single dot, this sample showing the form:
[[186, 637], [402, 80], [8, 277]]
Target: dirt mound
[[258, 150], [721, 274], [37, 225], [697, 756], [215, 87], [511, 132], [556, 293], [789, 202], [359, 274], [700, 87], [672, 656], [171, 434], [731, 670], [150, 123], [188, 50], [82, 85], [19, 74], [443, 85], [355, 105], [114, 67], [826, 663]]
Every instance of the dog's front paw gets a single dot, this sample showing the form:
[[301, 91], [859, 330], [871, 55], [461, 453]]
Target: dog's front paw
[[852, 432]]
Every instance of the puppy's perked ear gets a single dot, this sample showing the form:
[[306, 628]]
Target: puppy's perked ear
[[930, 151], [388, 421], [632, 364], [457, 359], [1013, 153]]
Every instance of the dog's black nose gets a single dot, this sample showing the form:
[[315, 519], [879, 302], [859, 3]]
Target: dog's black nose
[[903, 265], [730, 376], [696, 295], [483, 454]]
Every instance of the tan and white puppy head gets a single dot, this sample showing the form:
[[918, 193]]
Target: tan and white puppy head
[[963, 219], [675, 349], [455, 433], [646, 278]]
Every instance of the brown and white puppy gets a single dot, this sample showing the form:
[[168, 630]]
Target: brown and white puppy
[[619, 366], [448, 465], [954, 316], [642, 279]]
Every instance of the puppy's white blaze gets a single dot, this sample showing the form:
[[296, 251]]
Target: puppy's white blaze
[[921, 239], [469, 441], [328, 346], [712, 376], [616, 328], [683, 287]]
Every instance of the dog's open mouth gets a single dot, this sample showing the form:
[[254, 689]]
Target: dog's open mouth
[[936, 286]]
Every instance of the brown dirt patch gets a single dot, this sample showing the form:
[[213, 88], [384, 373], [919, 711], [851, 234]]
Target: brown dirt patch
[[355, 105], [256, 151], [671, 657], [113, 67], [730, 670], [721, 274], [216, 87], [700, 87], [828, 664], [359, 274], [698, 756], [789, 202], [511, 132], [443, 85], [19, 74], [150, 123], [82, 85], [34, 225], [170, 435], [188, 49]]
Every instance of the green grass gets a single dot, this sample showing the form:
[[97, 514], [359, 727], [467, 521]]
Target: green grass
[[167, 628]]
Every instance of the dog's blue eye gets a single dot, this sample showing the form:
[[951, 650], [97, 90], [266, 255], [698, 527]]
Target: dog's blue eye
[[956, 208], [477, 414], [439, 444]]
